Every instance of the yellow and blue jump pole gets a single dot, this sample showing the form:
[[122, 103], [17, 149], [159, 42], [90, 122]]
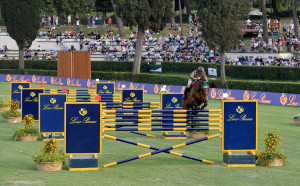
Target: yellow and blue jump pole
[[162, 111], [163, 150], [155, 148], [158, 129]]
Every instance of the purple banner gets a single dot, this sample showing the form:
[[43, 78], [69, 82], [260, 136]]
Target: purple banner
[[270, 98]]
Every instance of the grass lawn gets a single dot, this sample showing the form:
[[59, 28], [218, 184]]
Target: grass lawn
[[17, 167]]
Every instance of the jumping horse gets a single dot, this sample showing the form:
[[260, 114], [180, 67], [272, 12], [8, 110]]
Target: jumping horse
[[196, 95]]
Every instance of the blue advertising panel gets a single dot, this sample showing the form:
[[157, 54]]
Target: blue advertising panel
[[105, 88], [30, 102], [171, 101], [132, 95], [15, 90], [83, 133], [271, 98], [51, 110], [239, 129]]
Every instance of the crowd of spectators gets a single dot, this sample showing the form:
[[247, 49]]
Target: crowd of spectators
[[172, 47], [263, 61]]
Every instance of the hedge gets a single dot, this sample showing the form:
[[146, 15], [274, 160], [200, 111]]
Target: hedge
[[242, 72], [173, 80], [29, 72]]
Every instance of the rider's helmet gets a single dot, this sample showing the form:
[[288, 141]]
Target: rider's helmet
[[200, 69]]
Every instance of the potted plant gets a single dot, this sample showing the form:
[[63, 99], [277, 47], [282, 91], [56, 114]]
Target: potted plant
[[50, 157], [270, 156], [12, 115], [197, 134], [297, 119], [3, 105], [29, 132]]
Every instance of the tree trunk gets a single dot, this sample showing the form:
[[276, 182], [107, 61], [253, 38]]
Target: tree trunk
[[180, 15], [21, 57], [118, 19], [222, 68], [264, 18], [138, 50], [275, 9], [295, 17], [0, 11], [173, 11], [188, 6]]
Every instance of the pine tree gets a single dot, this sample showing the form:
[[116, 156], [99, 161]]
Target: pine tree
[[22, 20], [221, 25], [145, 14]]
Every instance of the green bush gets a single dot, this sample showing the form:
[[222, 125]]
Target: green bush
[[242, 72], [41, 65], [9, 64], [117, 66], [29, 72]]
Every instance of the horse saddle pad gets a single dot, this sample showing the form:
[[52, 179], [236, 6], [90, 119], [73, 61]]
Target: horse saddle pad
[[205, 84]]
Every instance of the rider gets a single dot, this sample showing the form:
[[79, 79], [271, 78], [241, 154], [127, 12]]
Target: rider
[[196, 75]]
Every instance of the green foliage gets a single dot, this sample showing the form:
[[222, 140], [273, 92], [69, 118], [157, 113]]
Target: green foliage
[[65, 7], [3, 103], [153, 14], [22, 20], [29, 72], [103, 6], [221, 21], [251, 77], [41, 65], [9, 64], [50, 153], [12, 112], [28, 129], [270, 152]]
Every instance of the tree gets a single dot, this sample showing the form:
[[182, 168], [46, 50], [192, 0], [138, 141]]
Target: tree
[[65, 7], [22, 20], [103, 6], [173, 11], [277, 6], [118, 20], [187, 4], [295, 17], [144, 14], [264, 18], [221, 25]]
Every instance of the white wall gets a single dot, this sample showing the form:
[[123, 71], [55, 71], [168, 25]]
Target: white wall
[[44, 43], [260, 55]]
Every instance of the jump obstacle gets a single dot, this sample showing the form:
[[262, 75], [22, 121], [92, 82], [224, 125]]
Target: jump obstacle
[[134, 116]]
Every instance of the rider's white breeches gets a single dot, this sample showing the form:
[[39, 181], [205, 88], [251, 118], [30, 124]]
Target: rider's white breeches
[[189, 83]]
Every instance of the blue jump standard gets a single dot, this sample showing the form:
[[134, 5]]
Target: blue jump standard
[[55, 136], [239, 159], [82, 162]]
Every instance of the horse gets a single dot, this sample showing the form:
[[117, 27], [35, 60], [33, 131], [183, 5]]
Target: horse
[[196, 96]]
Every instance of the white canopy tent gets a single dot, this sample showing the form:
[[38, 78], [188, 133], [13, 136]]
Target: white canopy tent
[[255, 13]]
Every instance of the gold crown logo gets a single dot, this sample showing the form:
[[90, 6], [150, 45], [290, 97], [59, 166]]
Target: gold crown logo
[[20, 87], [132, 94], [239, 109], [32, 94], [104, 87], [174, 100], [52, 100], [83, 111]]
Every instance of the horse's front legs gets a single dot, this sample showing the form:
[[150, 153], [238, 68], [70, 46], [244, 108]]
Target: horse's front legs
[[195, 104], [204, 104]]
